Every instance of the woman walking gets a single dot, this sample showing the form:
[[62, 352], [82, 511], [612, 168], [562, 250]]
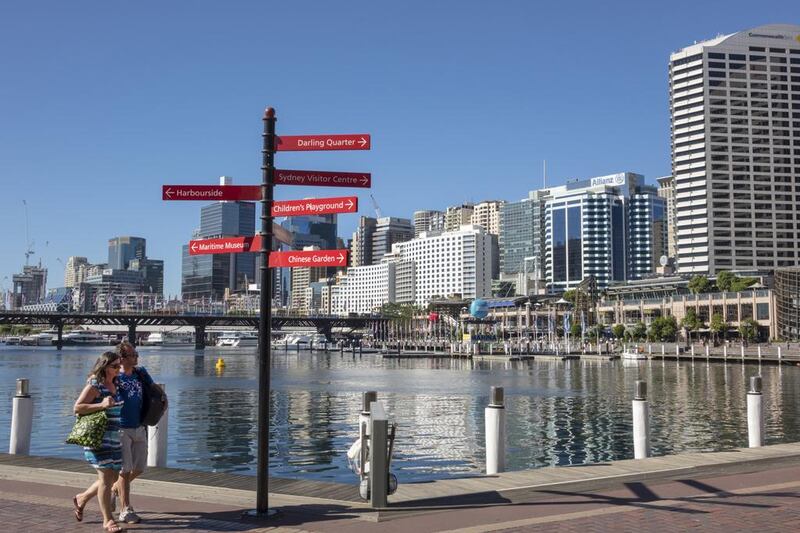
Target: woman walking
[[100, 393]]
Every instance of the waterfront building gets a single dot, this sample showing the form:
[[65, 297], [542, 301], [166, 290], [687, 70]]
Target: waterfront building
[[487, 215], [522, 239], [735, 108], [364, 289], [604, 227], [29, 287], [457, 216], [417, 271], [205, 277], [361, 244], [121, 250], [666, 190], [428, 220], [302, 278], [388, 231], [75, 271]]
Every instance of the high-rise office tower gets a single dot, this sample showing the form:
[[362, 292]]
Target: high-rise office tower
[[207, 276], [388, 231], [428, 220], [522, 239], [606, 227], [735, 122], [122, 249], [152, 271], [361, 245]]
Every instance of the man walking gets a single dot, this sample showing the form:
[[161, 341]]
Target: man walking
[[133, 435]]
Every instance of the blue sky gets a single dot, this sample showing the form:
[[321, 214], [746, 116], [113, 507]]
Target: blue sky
[[103, 102]]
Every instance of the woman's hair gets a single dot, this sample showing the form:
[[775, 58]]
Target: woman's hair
[[99, 370]]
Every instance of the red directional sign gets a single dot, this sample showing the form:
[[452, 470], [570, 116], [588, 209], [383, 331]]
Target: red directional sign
[[315, 206], [211, 192], [225, 245], [304, 258], [304, 143], [309, 258], [323, 179]]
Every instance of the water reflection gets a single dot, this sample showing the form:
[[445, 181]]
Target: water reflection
[[559, 413]]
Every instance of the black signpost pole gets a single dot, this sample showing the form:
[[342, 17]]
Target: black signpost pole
[[265, 316]]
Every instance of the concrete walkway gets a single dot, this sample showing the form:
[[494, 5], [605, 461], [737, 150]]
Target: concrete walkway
[[721, 491]]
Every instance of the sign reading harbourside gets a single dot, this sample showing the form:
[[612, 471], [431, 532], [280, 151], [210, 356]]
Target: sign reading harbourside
[[315, 206], [241, 193], [323, 179], [305, 143], [294, 258]]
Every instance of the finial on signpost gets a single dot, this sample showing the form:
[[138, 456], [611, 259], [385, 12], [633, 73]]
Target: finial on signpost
[[269, 113]]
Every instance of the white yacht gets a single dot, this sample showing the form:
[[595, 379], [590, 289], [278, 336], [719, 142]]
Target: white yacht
[[37, 339], [632, 354], [302, 341], [85, 338], [169, 338], [238, 339]]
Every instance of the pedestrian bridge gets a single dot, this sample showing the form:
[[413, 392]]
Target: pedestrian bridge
[[325, 325]]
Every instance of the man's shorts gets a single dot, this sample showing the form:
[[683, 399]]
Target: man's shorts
[[134, 449]]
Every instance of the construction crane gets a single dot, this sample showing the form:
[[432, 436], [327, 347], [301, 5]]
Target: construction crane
[[28, 242], [377, 209]]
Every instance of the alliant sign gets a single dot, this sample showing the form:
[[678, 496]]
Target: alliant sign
[[211, 192], [304, 143], [315, 206], [323, 179]]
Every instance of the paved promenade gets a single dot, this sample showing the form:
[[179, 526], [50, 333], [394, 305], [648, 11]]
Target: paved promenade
[[722, 491]]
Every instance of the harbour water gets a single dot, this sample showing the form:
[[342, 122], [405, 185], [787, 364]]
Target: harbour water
[[559, 413]]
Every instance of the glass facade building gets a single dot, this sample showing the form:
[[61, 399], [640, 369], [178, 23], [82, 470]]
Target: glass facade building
[[522, 233], [121, 250], [610, 227], [207, 276], [787, 300]]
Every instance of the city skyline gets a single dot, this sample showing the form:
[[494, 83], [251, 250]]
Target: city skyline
[[116, 117]]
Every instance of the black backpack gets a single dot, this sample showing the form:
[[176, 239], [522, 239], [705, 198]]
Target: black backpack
[[154, 402]]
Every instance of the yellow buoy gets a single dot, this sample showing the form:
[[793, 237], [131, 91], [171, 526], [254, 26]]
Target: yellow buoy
[[220, 363]]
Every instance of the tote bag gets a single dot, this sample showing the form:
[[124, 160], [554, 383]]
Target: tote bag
[[89, 430]]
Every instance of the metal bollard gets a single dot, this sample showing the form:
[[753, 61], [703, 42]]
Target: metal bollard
[[641, 422], [495, 420], [157, 439], [21, 420], [378, 456], [755, 413]]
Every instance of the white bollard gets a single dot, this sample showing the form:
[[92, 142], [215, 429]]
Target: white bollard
[[692, 351], [755, 414], [725, 352], [495, 416], [157, 440], [759, 352], [663, 353], [742, 347], [779, 354], [641, 422], [677, 350], [706, 351], [21, 420]]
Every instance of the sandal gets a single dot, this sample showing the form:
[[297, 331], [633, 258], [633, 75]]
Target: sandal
[[112, 527], [78, 510]]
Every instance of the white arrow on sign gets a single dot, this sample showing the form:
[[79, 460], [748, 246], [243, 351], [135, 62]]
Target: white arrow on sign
[[341, 258], [362, 142], [349, 204], [168, 192], [194, 246], [364, 180]]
